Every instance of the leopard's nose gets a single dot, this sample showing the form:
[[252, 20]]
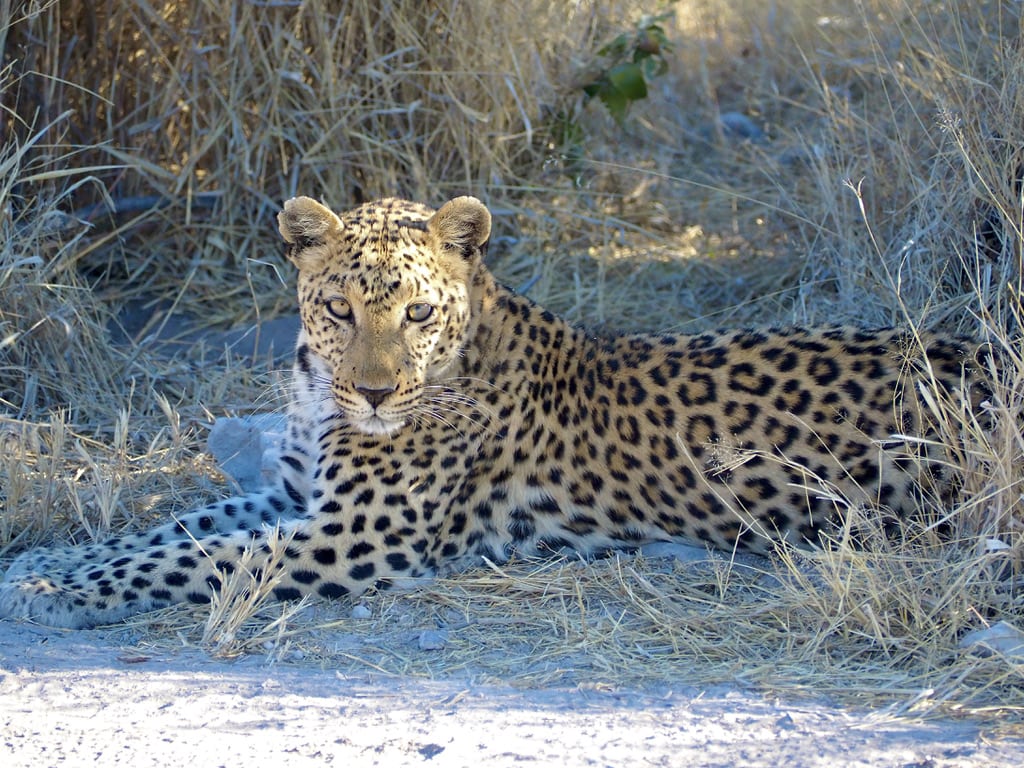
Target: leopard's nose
[[375, 396]]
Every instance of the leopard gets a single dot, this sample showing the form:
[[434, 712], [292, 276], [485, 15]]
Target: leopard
[[438, 419]]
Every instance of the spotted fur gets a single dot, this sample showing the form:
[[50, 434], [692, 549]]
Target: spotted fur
[[438, 418]]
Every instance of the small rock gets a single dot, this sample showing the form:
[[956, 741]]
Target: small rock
[[1002, 638], [360, 611], [247, 448], [736, 125], [432, 639], [733, 127], [785, 722], [430, 751]]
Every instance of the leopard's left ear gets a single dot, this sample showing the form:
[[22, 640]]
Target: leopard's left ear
[[462, 225], [306, 226]]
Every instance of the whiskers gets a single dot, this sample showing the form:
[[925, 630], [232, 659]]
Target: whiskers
[[277, 394], [456, 403], [454, 408], [307, 395]]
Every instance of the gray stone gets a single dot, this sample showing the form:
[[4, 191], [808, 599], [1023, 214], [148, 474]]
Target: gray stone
[[1001, 638], [432, 639], [248, 448]]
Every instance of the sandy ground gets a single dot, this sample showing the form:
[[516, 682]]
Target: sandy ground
[[78, 697]]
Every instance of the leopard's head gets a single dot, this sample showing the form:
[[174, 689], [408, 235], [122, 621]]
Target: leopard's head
[[384, 300]]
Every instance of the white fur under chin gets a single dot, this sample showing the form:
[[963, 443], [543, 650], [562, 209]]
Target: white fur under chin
[[375, 425]]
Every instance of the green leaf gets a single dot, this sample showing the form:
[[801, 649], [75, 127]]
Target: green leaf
[[616, 102], [616, 48], [628, 79]]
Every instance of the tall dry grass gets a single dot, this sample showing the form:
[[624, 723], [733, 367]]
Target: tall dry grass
[[236, 106], [146, 147]]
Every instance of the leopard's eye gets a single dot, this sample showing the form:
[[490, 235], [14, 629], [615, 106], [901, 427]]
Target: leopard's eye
[[338, 309], [419, 311]]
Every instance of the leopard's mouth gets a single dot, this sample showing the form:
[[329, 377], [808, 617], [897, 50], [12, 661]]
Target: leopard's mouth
[[377, 425]]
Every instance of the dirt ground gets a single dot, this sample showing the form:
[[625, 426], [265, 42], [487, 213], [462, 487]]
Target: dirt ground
[[84, 697]]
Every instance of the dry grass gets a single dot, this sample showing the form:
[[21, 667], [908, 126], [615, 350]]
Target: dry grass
[[147, 145]]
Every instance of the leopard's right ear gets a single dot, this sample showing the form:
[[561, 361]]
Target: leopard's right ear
[[305, 226]]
